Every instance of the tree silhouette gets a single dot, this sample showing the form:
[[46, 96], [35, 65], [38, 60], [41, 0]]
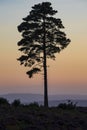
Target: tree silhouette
[[41, 39]]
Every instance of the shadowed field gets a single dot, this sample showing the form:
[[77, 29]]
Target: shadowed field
[[17, 116]]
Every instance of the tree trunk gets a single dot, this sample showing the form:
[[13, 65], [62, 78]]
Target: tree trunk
[[45, 67], [45, 82]]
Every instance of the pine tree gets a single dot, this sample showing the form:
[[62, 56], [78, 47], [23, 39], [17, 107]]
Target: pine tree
[[41, 39]]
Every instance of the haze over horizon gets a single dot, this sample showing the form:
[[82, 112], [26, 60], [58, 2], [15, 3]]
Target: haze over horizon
[[68, 73]]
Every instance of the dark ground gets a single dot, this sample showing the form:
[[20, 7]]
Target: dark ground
[[33, 117]]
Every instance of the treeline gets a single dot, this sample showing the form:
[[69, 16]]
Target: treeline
[[17, 102]]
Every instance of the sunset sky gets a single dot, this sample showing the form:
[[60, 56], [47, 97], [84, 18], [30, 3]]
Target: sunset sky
[[68, 73]]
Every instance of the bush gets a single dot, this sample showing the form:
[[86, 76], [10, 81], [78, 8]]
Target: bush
[[68, 105], [3, 101], [34, 105], [16, 103]]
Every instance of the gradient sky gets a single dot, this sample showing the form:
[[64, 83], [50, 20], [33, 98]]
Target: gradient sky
[[66, 75]]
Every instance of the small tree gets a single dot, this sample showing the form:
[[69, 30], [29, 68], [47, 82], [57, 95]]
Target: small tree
[[42, 38]]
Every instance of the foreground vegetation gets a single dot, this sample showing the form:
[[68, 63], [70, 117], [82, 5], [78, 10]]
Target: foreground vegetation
[[16, 116]]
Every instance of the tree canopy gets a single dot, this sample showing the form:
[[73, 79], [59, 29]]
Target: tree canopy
[[32, 29]]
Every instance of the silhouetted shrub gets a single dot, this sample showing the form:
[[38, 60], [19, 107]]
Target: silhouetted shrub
[[3, 101], [68, 105], [34, 105], [16, 103]]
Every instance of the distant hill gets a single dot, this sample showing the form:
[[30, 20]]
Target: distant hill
[[54, 100], [24, 98]]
